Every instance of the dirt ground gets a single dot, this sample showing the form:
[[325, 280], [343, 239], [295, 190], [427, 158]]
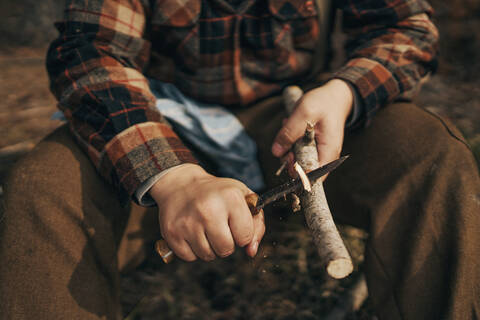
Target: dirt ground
[[285, 281]]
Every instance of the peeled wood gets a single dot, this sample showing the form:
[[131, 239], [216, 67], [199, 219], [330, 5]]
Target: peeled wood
[[331, 249]]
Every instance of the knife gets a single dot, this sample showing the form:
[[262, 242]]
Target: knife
[[257, 202], [293, 185]]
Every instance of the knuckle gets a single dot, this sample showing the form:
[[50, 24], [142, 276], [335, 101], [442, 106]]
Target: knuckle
[[245, 239], [234, 195], [189, 258], [205, 253], [225, 247], [226, 252], [208, 257], [209, 203], [245, 236], [308, 113], [205, 208], [206, 217], [169, 231], [185, 254]]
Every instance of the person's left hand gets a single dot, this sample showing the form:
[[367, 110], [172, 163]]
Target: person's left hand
[[328, 107]]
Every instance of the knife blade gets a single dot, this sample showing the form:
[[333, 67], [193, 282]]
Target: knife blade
[[293, 185]]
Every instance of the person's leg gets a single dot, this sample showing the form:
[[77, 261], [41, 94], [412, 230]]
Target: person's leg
[[416, 179], [60, 235], [413, 184]]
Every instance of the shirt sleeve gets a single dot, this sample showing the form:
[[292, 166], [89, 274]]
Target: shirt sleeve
[[95, 69], [391, 48], [141, 194]]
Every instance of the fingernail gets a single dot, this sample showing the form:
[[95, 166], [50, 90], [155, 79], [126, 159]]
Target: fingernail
[[277, 149]]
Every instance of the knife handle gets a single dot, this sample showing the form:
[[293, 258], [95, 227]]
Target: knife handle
[[167, 255]]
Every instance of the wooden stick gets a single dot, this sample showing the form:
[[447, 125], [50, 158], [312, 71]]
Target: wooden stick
[[331, 249]]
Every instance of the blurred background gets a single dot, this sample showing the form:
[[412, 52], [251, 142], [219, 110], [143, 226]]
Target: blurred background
[[235, 288]]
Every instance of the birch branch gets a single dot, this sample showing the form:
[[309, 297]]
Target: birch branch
[[331, 249]]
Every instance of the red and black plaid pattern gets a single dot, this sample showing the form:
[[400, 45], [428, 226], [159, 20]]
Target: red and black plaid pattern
[[234, 55], [392, 45], [215, 51]]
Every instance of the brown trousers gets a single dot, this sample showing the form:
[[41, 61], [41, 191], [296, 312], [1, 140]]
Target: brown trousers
[[411, 181]]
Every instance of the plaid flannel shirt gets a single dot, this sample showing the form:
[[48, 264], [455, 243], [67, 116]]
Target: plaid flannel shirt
[[230, 53]]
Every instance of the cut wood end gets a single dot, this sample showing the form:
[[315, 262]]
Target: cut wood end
[[340, 268], [303, 177]]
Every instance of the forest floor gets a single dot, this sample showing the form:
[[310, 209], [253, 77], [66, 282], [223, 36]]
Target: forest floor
[[285, 280]]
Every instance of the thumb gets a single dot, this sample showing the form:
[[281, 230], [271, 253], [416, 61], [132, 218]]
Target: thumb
[[292, 130]]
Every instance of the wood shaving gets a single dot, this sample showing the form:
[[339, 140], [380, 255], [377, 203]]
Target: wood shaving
[[303, 177]]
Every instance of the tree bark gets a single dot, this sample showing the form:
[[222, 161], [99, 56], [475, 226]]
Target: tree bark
[[330, 246]]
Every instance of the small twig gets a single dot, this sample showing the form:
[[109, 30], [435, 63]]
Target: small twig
[[295, 203], [282, 167]]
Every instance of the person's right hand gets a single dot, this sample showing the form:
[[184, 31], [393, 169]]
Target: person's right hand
[[204, 216]]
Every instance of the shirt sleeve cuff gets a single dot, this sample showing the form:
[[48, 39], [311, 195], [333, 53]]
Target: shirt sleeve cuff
[[141, 195], [374, 84], [141, 152], [358, 110]]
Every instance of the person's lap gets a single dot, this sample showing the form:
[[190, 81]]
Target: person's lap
[[64, 231], [412, 182]]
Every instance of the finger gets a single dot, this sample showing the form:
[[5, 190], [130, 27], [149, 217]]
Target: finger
[[182, 250], [240, 219], [329, 140], [259, 231], [201, 247], [220, 239], [290, 132]]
